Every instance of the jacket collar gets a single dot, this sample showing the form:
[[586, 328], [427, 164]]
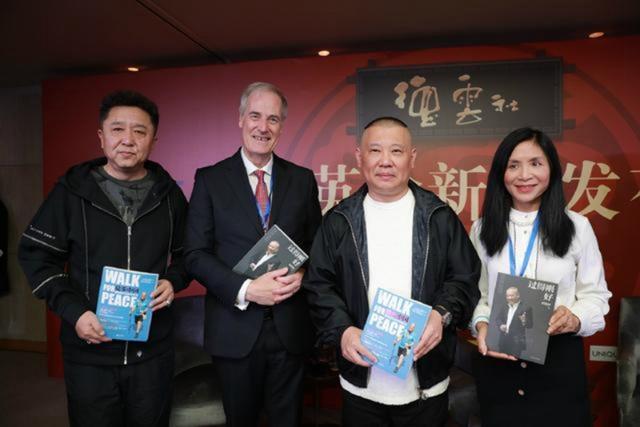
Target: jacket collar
[[426, 203], [81, 182]]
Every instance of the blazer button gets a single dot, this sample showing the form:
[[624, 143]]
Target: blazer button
[[521, 392], [139, 353], [523, 365]]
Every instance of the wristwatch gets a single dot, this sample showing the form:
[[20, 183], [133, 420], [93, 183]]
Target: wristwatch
[[446, 315]]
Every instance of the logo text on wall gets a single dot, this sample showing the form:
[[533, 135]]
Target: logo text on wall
[[603, 353]]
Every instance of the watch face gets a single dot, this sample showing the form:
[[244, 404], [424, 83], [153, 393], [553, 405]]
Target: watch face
[[446, 316]]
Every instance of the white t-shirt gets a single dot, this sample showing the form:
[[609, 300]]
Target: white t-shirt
[[389, 246]]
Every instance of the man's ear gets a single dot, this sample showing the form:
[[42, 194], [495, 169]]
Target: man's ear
[[101, 138]]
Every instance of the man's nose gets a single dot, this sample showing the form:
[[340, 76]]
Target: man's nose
[[127, 138], [385, 157], [262, 125]]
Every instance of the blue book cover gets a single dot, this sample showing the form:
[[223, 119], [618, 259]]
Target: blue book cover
[[123, 303], [394, 327]]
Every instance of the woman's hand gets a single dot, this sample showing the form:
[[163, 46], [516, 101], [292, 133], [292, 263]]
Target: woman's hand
[[563, 321], [482, 328]]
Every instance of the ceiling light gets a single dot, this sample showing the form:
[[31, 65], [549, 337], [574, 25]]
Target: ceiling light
[[323, 53], [596, 34], [133, 69]]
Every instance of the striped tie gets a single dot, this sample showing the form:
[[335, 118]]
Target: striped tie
[[262, 197]]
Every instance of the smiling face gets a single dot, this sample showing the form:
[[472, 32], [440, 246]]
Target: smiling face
[[273, 247], [527, 176], [513, 296], [126, 137], [385, 158], [261, 124]]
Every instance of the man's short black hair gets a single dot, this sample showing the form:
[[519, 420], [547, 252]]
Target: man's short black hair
[[388, 120], [129, 98]]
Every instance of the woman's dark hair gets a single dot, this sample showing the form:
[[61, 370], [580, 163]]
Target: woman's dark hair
[[556, 228]]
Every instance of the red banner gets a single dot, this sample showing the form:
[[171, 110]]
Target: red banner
[[599, 147]]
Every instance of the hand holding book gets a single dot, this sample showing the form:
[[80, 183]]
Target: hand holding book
[[89, 329], [563, 321], [431, 336], [353, 350], [262, 289], [290, 285], [162, 296], [482, 328]]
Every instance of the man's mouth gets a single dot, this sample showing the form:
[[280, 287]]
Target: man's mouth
[[385, 175]]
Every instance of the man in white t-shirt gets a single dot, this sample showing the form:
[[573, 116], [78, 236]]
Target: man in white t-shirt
[[391, 234]]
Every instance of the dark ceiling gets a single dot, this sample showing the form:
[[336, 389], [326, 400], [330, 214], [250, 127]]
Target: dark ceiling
[[44, 39]]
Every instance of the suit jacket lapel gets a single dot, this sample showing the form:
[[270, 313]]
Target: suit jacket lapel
[[239, 183], [281, 180]]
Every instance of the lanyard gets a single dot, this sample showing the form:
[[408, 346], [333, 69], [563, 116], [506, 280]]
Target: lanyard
[[527, 254], [264, 219]]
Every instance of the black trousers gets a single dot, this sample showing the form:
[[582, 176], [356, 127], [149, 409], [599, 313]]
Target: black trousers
[[360, 412], [269, 379], [137, 395]]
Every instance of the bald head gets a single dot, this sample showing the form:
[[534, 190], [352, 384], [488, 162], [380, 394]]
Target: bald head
[[386, 157], [385, 122]]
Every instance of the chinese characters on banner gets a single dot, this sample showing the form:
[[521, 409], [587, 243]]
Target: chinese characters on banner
[[461, 189], [469, 100], [425, 103]]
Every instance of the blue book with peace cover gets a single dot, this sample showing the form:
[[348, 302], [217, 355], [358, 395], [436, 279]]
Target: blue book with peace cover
[[394, 327], [123, 303]]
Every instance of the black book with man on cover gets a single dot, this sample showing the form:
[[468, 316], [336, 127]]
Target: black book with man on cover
[[520, 314], [273, 251]]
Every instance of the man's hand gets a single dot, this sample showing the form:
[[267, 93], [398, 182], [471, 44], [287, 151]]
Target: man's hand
[[563, 321], [262, 290], [483, 328], [88, 328], [162, 295], [523, 318], [431, 336], [352, 348], [291, 285]]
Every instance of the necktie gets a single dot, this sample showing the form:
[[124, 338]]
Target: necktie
[[262, 197]]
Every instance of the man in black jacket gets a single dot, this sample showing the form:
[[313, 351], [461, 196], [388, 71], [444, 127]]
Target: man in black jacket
[[394, 235], [513, 320], [121, 211]]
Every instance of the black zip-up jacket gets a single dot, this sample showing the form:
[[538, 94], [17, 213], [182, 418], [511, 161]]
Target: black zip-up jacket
[[445, 271], [78, 230]]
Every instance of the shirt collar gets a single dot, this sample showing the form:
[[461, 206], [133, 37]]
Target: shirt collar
[[251, 168]]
